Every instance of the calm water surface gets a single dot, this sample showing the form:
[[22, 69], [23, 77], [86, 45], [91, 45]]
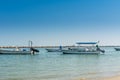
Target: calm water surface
[[57, 66]]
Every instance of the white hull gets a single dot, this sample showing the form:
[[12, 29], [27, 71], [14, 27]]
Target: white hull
[[53, 50], [15, 52], [80, 52]]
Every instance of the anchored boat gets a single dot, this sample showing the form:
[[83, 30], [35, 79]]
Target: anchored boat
[[18, 51], [88, 48], [54, 49]]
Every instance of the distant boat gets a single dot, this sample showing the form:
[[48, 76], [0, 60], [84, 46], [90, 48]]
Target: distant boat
[[54, 49], [17, 51], [93, 49], [117, 49], [12, 52]]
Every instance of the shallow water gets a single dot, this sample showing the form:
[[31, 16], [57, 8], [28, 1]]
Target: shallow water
[[57, 66]]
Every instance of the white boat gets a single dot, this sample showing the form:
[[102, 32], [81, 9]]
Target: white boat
[[88, 48], [18, 51], [12, 52], [54, 49]]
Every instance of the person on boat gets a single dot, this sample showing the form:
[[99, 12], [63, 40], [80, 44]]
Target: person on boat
[[60, 47], [98, 49], [69, 49]]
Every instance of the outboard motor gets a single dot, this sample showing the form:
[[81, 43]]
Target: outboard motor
[[60, 47], [34, 50], [98, 49], [103, 51]]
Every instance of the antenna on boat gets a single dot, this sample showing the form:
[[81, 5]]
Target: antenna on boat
[[98, 41], [30, 44], [31, 48]]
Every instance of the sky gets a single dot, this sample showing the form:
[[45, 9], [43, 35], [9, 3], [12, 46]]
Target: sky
[[59, 22]]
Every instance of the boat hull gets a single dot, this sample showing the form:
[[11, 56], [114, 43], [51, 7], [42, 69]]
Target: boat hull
[[78, 52], [8, 52], [53, 50]]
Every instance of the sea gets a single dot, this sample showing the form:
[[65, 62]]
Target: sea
[[58, 66]]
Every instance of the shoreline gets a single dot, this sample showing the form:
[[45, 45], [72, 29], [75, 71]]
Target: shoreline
[[115, 77], [112, 78]]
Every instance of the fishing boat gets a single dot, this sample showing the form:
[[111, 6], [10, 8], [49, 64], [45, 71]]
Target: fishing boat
[[88, 48], [117, 49], [54, 49], [18, 51]]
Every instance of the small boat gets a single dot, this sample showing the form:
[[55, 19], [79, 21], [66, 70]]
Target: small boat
[[17, 51], [54, 49], [93, 49], [117, 49], [14, 52]]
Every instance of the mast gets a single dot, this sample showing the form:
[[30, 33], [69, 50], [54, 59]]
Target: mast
[[30, 43]]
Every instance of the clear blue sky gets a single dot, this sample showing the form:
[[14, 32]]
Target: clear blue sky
[[59, 22]]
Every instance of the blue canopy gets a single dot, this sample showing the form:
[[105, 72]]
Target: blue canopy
[[86, 42]]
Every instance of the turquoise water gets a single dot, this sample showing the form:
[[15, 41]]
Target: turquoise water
[[57, 66]]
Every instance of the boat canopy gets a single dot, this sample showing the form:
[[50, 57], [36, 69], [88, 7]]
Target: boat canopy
[[86, 43]]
